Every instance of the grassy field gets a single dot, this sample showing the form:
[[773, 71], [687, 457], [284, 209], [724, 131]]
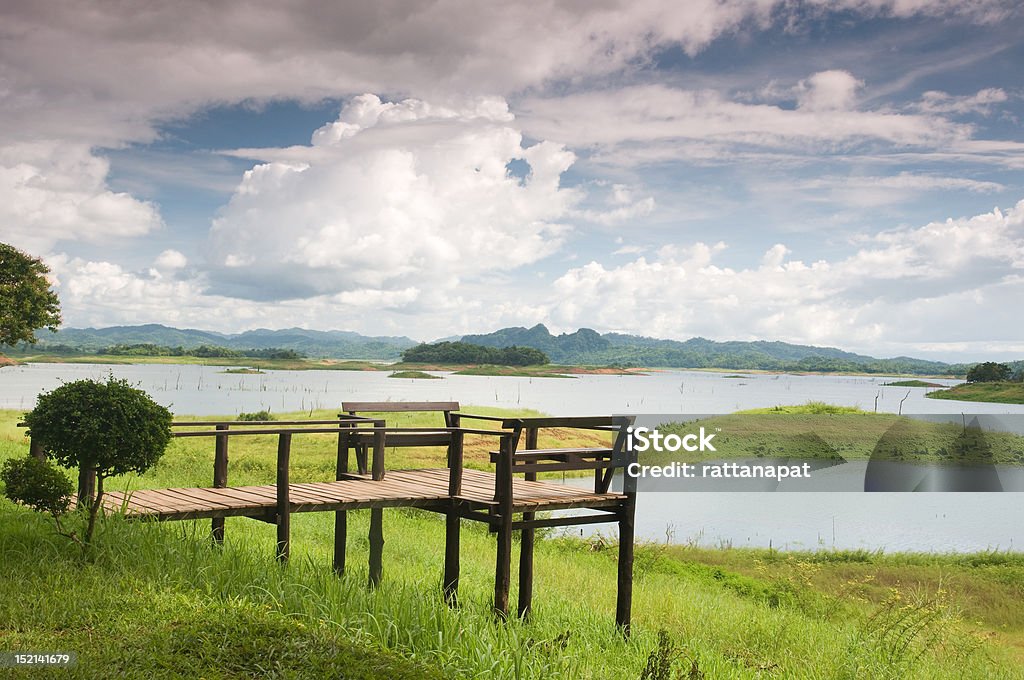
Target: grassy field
[[998, 392], [415, 375], [911, 383], [157, 600], [817, 430]]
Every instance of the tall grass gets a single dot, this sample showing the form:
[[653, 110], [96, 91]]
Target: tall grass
[[158, 599]]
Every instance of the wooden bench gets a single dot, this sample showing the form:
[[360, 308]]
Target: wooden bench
[[399, 437]]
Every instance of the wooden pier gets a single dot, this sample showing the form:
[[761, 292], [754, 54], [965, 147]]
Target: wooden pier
[[502, 499]]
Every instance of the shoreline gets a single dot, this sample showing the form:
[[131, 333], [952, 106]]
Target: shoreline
[[305, 364]]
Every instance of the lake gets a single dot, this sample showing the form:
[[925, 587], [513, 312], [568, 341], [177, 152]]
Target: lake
[[909, 521]]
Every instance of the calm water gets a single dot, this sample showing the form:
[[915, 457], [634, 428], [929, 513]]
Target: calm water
[[911, 521], [207, 390]]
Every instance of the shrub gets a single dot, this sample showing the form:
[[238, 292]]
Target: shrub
[[110, 428], [37, 484], [258, 415], [41, 486]]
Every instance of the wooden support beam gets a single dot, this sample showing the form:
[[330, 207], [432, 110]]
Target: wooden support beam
[[220, 479], [376, 546], [377, 515], [341, 516], [35, 449], [503, 558], [527, 541], [284, 445], [453, 523], [624, 595], [86, 486]]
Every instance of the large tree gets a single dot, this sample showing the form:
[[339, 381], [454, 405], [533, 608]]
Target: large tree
[[988, 371], [26, 301]]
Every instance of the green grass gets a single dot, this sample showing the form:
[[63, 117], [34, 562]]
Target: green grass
[[818, 430], [157, 600], [912, 383], [414, 375], [997, 392]]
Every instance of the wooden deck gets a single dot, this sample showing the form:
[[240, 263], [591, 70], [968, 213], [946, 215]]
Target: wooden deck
[[423, 488], [507, 499]]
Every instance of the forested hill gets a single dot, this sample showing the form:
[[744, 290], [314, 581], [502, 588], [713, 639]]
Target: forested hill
[[588, 347], [331, 344]]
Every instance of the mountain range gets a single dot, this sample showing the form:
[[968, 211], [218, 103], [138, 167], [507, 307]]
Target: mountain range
[[584, 347], [333, 344], [588, 347]]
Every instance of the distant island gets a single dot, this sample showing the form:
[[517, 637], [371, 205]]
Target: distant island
[[303, 348]]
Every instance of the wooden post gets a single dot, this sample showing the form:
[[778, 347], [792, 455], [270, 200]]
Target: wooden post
[[450, 582], [503, 561], [627, 514], [624, 596], [220, 480], [284, 445], [341, 516], [35, 449], [526, 544], [86, 487], [377, 514]]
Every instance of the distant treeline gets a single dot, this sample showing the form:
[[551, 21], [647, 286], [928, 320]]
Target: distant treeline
[[203, 351], [466, 353]]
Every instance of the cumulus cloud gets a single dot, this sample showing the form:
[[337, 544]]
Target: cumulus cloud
[[828, 91], [906, 286], [51, 192], [170, 260], [392, 195]]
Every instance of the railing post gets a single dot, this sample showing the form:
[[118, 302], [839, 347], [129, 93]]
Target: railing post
[[220, 478], [503, 559], [627, 514], [35, 449], [376, 535], [450, 583], [284, 444], [527, 542], [86, 486]]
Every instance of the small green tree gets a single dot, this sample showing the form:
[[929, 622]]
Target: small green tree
[[39, 485], [109, 428], [989, 371], [26, 301]]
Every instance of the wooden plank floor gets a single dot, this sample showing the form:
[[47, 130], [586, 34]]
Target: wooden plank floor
[[427, 488]]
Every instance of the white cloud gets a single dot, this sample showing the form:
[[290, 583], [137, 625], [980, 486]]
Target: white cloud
[[828, 91], [903, 286], [981, 102], [655, 122], [170, 260], [390, 196], [51, 192]]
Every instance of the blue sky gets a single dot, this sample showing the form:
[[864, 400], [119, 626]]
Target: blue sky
[[845, 173]]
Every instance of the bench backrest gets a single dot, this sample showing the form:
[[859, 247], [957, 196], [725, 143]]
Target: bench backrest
[[354, 407]]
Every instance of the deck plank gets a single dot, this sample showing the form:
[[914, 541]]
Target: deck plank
[[399, 488]]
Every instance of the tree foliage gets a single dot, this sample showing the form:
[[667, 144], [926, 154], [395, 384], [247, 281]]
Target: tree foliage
[[37, 484], [988, 371], [26, 301], [110, 428], [467, 353], [147, 349]]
